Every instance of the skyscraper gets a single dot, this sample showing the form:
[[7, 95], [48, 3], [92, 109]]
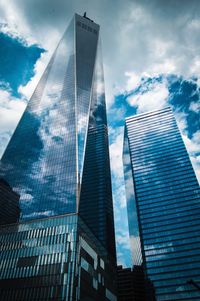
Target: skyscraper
[[163, 196], [58, 162]]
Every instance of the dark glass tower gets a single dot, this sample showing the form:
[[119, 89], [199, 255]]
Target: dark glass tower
[[58, 162], [164, 195]]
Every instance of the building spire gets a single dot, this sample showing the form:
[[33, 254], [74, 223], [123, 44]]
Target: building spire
[[85, 16]]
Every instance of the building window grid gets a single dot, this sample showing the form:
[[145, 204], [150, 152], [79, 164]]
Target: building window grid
[[169, 207], [169, 225], [132, 121], [148, 134], [155, 143]]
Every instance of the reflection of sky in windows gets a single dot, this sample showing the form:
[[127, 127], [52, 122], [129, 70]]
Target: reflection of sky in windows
[[93, 111], [63, 134], [44, 162], [50, 250], [45, 177], [96, 194], [85, 61], [167, 195], [40, 160]]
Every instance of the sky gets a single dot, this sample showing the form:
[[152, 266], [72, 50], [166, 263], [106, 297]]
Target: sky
[[151, 60]]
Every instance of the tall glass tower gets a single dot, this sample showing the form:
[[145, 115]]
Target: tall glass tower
[[57, 161], [163, 197]]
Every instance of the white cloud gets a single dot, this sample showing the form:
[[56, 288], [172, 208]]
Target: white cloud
[[152, 99], [133, 80], [181, 121], [117, 167], [14, 23], [39, 68], [123, 240], [116, 155], [192, 144], [143, 37], [11, 110], [193, 147], [195, 107], [153, 42], [119, 193], [196, 165]]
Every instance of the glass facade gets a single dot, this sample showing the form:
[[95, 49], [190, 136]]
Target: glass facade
[[57, 162], [96, 206], [40, 159], [38, 259], [63, 135], [166, 204], [55, 258]]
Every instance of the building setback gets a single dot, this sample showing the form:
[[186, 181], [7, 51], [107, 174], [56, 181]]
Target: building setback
[[63, 247], [163, 196]]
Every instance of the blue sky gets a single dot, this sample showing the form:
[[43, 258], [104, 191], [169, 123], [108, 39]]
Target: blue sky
[[17, 61], [151, 60]]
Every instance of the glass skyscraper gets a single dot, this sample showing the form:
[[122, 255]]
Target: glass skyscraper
[[163, 199], [57, 161]]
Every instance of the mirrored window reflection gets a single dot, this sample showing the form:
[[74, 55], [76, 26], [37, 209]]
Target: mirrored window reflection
[[86, 48], [66, 110], [96, 193], [40, 160], [167, 196], [36, 258], [54, 259]]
